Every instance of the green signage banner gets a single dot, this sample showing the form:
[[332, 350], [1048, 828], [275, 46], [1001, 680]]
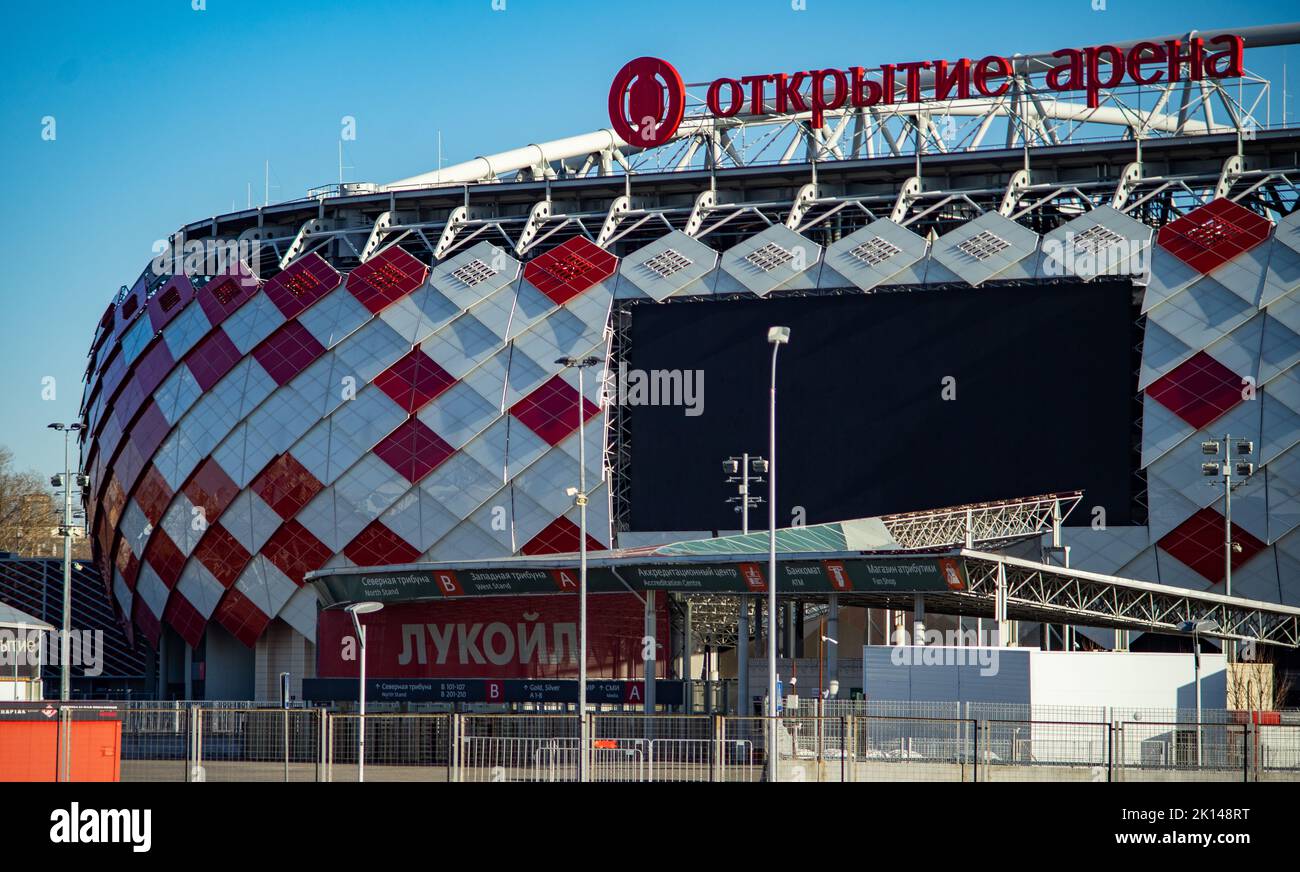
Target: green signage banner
[[851, 574]]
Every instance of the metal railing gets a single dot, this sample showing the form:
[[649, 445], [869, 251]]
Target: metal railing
[[860, 742]]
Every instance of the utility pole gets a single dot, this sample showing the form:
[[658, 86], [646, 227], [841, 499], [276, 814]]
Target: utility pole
[[1223, 464], [738, 471], [731, 467], [580, 496], [68, 482]]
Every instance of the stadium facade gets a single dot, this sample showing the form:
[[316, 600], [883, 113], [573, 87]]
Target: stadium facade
[[373, 378]]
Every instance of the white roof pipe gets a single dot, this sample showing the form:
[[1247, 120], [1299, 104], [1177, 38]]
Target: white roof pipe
[[486, 167]]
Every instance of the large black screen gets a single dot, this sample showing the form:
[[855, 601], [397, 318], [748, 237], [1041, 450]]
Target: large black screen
[[1043, 377]]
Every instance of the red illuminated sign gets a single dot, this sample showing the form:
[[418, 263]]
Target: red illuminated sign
[[647, 98], [646, 102]]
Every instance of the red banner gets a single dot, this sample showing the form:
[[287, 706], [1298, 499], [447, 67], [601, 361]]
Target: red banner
[[493, 637]]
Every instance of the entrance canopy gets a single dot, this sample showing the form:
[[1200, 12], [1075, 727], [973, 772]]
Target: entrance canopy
[[956, 558]]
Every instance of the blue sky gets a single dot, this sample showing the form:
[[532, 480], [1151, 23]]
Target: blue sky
[[165, 114]]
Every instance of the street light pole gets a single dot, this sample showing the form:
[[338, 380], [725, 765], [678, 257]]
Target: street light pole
[[777, 336], [1196, 628], [1196, 667], [580, 497], [65, 641], [356, 610]]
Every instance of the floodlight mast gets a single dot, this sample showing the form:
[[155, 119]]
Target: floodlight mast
[[1226, 448]]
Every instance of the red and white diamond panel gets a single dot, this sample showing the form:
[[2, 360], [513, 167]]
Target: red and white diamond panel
[[244, 434]]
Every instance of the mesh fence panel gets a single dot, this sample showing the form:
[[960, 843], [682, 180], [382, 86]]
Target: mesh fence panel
[[156, 744], [399, 747], [1275, 752], [895, 748], [257, 745], [1044, 751], [1180, 751]]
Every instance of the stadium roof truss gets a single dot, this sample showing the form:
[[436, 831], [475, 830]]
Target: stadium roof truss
[[722, 179], [1026, 115], [1042, 592]]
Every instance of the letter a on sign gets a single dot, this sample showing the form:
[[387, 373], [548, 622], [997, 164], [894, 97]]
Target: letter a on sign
[[565, 579]]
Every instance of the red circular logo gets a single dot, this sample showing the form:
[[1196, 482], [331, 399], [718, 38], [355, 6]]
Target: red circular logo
[[646, 102]]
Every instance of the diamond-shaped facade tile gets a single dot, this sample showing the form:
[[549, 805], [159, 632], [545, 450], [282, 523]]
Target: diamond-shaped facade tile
[[984, 248], [1202, 314], [420, 518], [377, 545], [551, 411], [295, 551], [1283, 475], [413, 450], [302, 283], [1104, 550], [1240, 349], [1210, 236], [1199, 390], [386, 278], [211, 489], [777, 257], [1161, 352], [667, 265], [1176, 487], [570, 268], [241, 617], [222, 555], [1279, 349], [1199, 543], [473, 274], [1161, 430], [286, 485], [1104, 241], [1280, 429], [561, 536], [185, 619], [874, 254], [1282, 275], [414, 381], [288, 351]]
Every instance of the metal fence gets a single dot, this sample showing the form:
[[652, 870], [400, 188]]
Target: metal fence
[[859, 742]]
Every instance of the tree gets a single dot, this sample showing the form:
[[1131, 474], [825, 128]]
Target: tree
[[28, 522], [1256, 684]]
